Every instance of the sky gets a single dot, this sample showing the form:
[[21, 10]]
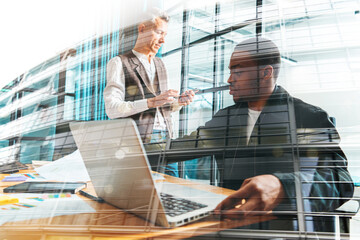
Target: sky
[[34, 31]]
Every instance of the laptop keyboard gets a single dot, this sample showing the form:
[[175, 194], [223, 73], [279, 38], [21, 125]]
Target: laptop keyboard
[[175, 206]]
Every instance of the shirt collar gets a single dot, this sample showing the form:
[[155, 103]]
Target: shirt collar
[[141, 56]]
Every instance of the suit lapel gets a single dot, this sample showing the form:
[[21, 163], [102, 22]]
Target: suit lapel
[[238, 118], [139, 68], [159, 74], [273, 114]]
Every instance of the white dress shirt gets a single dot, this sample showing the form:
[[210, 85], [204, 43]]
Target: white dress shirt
[[114, 93], [252, 118]]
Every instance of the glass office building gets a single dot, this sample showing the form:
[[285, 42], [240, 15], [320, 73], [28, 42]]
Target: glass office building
[[320, 64]]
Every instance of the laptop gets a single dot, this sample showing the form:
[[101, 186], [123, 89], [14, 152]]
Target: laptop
[[117, 164]]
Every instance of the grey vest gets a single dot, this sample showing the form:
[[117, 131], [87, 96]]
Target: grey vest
[[137, 84]]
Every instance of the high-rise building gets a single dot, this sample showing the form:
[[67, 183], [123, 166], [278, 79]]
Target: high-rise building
[[320, 55]]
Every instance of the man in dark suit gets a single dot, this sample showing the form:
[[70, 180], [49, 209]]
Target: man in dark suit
[[137, 84], [278, 152]]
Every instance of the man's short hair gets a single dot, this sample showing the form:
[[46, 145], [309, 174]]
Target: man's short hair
[[154, 13], [263, 51]]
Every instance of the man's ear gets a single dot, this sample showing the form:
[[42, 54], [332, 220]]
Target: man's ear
[[141, 28], [267, 72]]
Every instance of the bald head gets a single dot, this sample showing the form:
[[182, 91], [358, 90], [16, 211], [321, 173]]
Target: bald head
[[261, 50], [254, 67]]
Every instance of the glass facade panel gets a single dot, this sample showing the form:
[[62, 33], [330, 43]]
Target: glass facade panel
[[233, 13], [173, 39], [201, 22], [230, 135]]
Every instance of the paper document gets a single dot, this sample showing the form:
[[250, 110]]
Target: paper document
[[35, 206], [18, 177], [70, 168]]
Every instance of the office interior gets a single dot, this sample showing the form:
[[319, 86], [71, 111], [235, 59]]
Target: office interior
[[320, 58]]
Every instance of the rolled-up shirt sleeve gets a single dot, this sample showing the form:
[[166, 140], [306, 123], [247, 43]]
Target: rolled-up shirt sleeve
[[114, 93]]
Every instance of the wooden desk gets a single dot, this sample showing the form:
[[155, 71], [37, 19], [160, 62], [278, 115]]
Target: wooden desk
[[109, 222]]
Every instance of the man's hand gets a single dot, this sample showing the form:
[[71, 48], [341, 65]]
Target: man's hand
[[257, 195], [186, 98], [164, 98]]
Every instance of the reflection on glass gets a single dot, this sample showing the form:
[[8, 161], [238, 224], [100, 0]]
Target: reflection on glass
[[320, 60]]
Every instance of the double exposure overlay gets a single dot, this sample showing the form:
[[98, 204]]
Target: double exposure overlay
[[251, 106]]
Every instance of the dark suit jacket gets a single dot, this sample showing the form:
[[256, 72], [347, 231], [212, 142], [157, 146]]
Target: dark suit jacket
[[291, 139]]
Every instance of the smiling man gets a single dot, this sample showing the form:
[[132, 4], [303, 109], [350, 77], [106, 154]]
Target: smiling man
[[137, 85]]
